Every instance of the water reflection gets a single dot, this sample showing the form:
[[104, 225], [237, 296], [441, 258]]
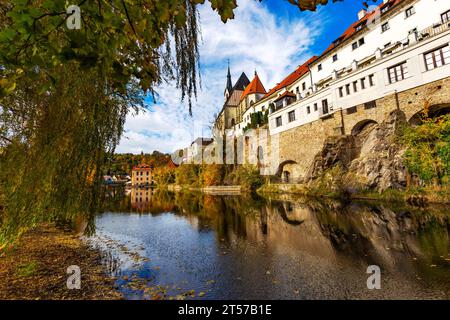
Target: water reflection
[[252, 247]]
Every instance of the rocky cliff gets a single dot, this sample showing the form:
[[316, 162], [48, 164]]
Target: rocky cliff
[[369, 159]]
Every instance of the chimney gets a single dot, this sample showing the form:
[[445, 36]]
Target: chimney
[[361, 14]]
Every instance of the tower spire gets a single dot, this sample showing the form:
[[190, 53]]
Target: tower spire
[[229, 86]]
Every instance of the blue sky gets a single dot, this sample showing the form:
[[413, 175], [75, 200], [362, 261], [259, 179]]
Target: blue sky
[[272, 37]]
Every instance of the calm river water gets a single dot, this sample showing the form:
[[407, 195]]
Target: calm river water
[[196, 246]]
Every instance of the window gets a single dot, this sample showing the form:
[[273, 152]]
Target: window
[[371, 80], [319, 67], [398, 72], [355, 86], [341, 92], [361, 41], [363, 83], [385, 27], [325, 106], [304, 86], [445, 16], [315, 106], [297, 90], [370, 104], [385, 9], [437, 57], [335, 58], [351, 110], [308, 109], [291, 116], [347, 89], [409, 12], [359, 27], [278, 121], [354, 45]]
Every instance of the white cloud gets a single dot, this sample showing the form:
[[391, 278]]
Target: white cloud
[[255, 40]]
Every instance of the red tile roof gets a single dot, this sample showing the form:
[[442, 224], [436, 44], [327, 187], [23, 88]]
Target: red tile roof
[[352, 29], [294, 76], [255, 86], [171, 164], [142, 167], [304, 68]]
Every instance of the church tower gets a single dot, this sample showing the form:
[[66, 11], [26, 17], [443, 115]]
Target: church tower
[[229, 85]]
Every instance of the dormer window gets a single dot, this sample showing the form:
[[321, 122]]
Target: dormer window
[[337, 41], [360, 26], [384, 9]]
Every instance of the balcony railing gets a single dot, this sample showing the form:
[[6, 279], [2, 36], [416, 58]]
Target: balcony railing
[[433, 31]]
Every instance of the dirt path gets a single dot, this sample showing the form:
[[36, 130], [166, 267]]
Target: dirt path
[[37, 268]]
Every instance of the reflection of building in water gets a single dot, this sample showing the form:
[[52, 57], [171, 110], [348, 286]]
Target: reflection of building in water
[[141, 175], [140, 198]]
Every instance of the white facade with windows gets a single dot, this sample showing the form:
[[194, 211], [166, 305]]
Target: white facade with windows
[[395, 60]]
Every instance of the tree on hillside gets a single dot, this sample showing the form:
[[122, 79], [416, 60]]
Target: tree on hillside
[[65, 94]]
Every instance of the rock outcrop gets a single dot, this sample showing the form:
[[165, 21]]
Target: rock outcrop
[[380, 164], [370, 158]]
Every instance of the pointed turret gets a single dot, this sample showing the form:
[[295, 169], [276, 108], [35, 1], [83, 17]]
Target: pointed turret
[[255, 87]]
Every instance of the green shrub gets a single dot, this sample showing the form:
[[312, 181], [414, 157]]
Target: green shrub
[[428, 149]]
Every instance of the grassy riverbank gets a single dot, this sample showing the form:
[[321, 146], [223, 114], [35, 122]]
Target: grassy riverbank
[[36, 268]]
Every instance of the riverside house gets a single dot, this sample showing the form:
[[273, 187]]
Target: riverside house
[[142, 175]]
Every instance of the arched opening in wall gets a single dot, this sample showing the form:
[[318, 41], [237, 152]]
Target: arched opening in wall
[[363, 128], [433, 112], [282, 174], [360, 132], [233, 122], [260, 156]]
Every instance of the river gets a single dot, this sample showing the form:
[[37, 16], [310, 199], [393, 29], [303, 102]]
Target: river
[[161, 245]]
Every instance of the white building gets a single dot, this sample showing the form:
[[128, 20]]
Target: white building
[[396, 46], [406, 46]]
